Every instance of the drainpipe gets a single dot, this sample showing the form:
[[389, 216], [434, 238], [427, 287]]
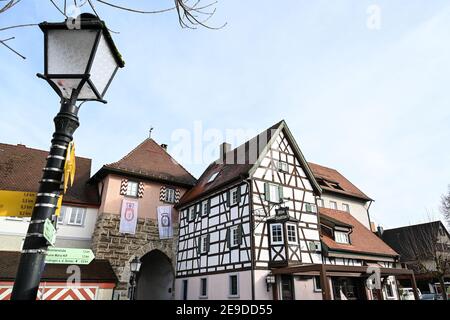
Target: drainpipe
[[252, 236]]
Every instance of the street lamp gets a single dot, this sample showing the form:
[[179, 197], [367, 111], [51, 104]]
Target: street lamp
[[270, 280], [135, 266], [80, 63]]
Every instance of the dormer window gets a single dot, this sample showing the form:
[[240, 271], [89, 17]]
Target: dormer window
[[341, 237], [213, 177]]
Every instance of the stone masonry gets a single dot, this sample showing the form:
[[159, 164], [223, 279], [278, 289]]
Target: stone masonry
[[108, 243]]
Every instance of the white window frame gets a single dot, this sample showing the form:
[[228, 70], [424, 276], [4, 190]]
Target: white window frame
[[295, 233], [131, 191], [276, 193], [230, 294], [191, 214], [316, 288], [205, 208], [170, 195], [320, 203], [234, 235], [203, 242], [338, 239], [333, 205], [346, 207], [389, 283], [283, 166], [272, 241], [62, 215], [75, 223], [201, 295], [234, 197]]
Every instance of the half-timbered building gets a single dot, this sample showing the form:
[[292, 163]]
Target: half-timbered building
[[251, 229]]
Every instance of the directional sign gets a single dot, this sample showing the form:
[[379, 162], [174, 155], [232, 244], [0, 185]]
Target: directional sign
[[69, 256], [49, 232], [20, 203], [16, 203]]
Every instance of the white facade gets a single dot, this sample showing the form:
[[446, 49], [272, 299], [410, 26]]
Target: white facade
[[357, 208], [71, 233]]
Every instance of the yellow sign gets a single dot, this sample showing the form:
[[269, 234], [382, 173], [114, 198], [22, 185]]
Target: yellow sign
[[69, 166], [20, 204], [16, 203]]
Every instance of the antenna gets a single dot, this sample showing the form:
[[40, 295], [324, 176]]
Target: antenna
[[150, 132]]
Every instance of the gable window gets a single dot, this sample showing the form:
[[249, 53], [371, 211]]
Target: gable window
[[291, 233], [205, 206], [346, 207], [309, 207], [333, 205], [204, 244], [283, 166], [341, 237], [273, 192], [170, 195], [234, 196], [276, 233], [76, 216], [203, 287], [132, 189], [191, 214], [233, 285], [234, 236]]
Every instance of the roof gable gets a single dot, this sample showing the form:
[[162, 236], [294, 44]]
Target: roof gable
[[241, 162], [149, 160]]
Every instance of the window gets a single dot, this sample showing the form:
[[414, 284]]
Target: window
[[276, 233], [170, 195], [76, 216], [234, 196], [292, 233], [213, 176], [204, 244], [62, 214], [341, 237], [333, 205], [314, 246], [203, 287], [205, 210], [273, 192], [132, 189], [233, 285], [389, 289], [346, 207], [320, 203], [309, 207], [317, 286], [283, 166], [185, 290], [235, 236], [191, 216]]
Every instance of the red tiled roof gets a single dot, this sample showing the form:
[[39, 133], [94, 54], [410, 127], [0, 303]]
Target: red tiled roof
[[332, 175], [362, 239], [149, 160], [21, 170]]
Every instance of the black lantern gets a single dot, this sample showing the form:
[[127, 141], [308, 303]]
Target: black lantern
[[270, 280], [80, 59], [135, 265]]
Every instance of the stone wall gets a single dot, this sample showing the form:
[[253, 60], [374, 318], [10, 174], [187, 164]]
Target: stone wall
[[108, 243]]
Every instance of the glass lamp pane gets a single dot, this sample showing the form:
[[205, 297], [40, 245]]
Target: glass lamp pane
[[86, 92], [103, 66], [66, 86], [68, 51]]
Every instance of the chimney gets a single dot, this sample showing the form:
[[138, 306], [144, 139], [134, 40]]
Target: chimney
[[164, 146], [380, 231], [224, 149]]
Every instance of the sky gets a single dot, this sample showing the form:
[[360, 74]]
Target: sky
[[363, 86]]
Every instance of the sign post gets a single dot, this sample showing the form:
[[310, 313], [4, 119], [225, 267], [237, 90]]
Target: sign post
[[69, 256], [16, 203], [49, 232]]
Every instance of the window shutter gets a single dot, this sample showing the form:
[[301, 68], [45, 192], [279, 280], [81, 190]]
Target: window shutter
[[177, 195], [280, 193], [228, 238], [228, 198], [207, 243], [200, 209], [199, 245], [141, 190], [240, 231], [123, 187], [208, 205], [238, 191], [266, 191], [162, 194]]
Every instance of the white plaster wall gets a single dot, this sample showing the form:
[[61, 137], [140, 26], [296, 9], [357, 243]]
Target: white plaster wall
[[358, 209], [261, 292], [304, 289], [217, 287]]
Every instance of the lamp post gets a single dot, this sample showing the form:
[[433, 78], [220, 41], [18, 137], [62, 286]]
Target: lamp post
[[135, 266], [80, 64]]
